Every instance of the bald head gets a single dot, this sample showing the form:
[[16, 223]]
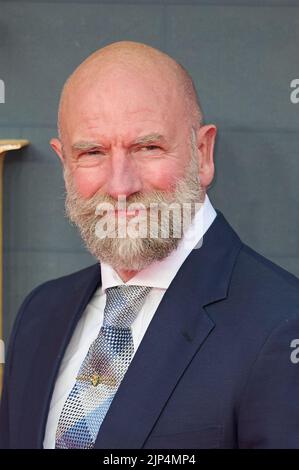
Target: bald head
[[117, 62]]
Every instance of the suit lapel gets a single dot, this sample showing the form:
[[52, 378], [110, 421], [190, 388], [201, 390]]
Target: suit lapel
[[179, 328], [55, 337]]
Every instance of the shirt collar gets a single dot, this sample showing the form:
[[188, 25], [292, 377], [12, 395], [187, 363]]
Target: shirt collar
[[160, 274]]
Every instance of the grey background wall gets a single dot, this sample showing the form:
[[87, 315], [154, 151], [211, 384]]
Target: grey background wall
[[242, 55]]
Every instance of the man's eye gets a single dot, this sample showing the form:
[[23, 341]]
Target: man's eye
[[150, 147], [94, 152]]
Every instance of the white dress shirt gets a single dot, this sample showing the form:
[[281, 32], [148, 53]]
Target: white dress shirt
[[158, 275]]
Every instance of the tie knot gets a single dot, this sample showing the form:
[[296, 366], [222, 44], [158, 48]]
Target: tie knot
[[123, 304]]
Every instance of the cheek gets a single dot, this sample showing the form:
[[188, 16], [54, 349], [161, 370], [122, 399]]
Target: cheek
[[87, 182], [163, 176]]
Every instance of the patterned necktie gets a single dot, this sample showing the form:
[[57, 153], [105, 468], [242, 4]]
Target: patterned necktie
[[101, 371]]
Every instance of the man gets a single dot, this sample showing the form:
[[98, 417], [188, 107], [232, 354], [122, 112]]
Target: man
[[171, 340]]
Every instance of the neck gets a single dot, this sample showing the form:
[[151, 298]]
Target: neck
[[126, 275]]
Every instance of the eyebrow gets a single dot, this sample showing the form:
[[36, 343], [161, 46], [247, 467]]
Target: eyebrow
[[146, 139], [85, 145], [143, 140]]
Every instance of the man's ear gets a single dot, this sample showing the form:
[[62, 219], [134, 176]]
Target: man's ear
[[206, 136], [57, 147]]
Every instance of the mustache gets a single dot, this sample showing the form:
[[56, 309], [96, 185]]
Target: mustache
[[145, 200]]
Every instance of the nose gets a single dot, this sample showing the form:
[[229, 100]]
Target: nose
[[124, 178]]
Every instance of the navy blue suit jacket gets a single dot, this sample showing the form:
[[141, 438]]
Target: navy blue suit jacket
[[214, 369]]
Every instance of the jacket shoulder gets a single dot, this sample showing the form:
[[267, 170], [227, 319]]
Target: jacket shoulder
[[267, 268], [267, 292], [48, 296], [61, 285]]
